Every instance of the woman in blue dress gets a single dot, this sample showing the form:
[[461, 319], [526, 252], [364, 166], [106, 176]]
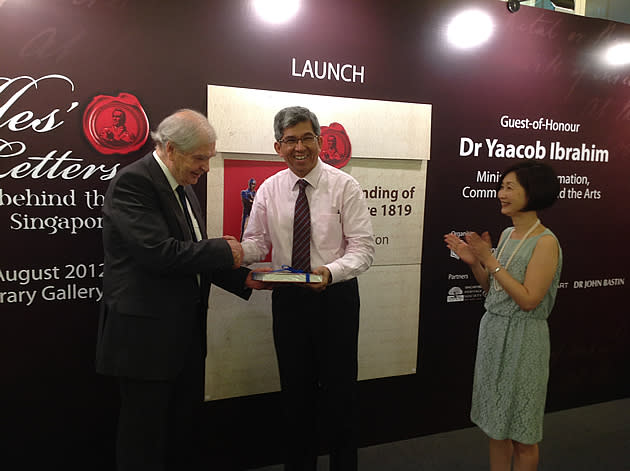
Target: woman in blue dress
[[521, 281]]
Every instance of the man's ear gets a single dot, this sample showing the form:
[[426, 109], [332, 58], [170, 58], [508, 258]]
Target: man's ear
[[170, 149]]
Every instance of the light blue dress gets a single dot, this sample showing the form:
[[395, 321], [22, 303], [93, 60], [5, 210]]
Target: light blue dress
[[512, 365]]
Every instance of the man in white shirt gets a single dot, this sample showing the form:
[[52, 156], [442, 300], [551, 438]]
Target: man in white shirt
[[315, 325]]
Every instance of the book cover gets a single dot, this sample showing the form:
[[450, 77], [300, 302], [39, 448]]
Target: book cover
[[286, 277]]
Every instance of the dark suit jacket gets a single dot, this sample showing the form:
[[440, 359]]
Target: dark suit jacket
[[153, 306]]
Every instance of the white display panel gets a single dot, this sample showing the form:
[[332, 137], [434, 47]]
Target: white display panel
[[243, 118], [241, 357]]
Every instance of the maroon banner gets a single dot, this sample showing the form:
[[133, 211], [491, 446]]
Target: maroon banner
[[82, 82]]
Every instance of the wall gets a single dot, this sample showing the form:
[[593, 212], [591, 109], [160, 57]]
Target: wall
[[537, 64]]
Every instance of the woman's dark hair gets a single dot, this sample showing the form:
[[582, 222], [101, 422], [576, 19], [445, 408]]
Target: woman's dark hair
[[539, 181]]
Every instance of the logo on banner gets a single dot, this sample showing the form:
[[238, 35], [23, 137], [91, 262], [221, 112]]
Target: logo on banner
[[115, 125], [336, 147], [455, 295]]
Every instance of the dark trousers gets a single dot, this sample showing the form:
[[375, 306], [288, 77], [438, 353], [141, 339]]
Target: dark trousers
[[315, 336], [158, 423]]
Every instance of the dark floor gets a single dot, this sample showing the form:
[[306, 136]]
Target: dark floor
[[592, 438]]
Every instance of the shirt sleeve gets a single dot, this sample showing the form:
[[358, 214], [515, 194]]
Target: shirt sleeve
[[357, 234], [256, 239]]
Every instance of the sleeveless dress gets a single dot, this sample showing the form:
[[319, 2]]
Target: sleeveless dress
[[512, 364]]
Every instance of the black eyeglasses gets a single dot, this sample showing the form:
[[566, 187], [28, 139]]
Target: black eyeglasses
[[307, 140]]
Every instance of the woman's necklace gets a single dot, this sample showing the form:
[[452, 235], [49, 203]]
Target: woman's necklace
[[497, 286]]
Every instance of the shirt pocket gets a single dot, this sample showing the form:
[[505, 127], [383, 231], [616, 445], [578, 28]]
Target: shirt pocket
[[327, 231]]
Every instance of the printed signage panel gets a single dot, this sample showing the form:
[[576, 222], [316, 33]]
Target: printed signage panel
[[241, 357], [378, 129]]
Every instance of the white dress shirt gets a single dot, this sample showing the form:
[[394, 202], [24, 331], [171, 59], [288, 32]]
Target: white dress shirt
[[174, 185], [341, 228]]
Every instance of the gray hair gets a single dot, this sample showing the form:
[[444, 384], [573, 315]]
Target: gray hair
[[289, 117], [186, 129]]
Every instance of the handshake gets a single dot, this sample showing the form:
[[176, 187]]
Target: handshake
[[237, 255], [237, 250]]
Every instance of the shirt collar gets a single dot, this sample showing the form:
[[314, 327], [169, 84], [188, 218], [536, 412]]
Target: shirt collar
[[311, 177], [167, 172]]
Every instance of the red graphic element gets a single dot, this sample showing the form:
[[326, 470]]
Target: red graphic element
[[115, 125], [236, 175], [336, 147]]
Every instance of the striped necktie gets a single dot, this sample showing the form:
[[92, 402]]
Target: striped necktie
[[301, 257]]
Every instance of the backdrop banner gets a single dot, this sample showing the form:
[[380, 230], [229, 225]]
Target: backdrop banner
[[424, 121]]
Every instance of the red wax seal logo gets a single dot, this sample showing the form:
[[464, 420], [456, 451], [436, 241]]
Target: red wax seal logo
[[115, 125], [336, 147]]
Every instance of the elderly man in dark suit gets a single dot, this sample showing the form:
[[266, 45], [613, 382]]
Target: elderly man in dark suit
[[158, 269]]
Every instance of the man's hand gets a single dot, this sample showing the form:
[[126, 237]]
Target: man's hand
[[237, 250], [321, 286], [255, 284]]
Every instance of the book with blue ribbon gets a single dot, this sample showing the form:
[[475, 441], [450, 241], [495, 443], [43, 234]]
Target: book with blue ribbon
[[286, 275]]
